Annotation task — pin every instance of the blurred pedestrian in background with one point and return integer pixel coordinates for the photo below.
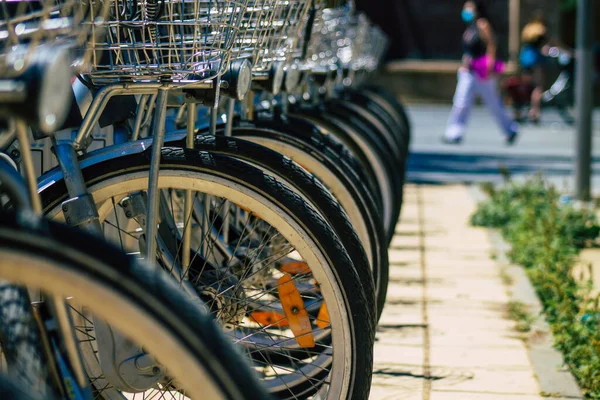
(534, 49)
(477, 76)
(527, 88)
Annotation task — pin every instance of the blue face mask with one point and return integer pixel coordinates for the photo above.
(467, 15)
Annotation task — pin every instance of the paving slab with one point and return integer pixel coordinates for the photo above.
(481, 356)
(449, 395)
(508, 381)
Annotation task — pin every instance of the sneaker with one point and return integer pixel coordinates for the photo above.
(454, 141)
(511, 138)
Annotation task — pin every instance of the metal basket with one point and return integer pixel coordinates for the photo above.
(342, 38)
(166, 40)
(26, 24)
(268, 30)
(369, 44)
(372, 49)
(328, 39)
(287, 25)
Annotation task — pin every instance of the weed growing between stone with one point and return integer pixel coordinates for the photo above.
(546, 234)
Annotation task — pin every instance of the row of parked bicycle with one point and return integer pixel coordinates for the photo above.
(197, 198)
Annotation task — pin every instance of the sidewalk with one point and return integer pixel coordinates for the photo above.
(444, 334)
(548, 147)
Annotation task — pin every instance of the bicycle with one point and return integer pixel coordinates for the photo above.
(228, 233)
(41, 346)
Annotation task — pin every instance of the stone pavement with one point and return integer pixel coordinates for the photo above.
(444, 333)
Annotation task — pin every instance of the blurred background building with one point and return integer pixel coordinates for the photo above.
(425, 38)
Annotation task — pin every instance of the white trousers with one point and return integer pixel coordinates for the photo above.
(467, 88)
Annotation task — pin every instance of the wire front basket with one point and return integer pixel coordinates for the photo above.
(327, 38)
(166, 40)
(342, 38)
(27, 24)
(285, 23)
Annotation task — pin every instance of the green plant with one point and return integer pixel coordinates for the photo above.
(546, 235)
(518, 312)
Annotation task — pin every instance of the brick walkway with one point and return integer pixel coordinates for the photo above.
(444, 334)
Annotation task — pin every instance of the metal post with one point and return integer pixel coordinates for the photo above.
(229, 113)
(187, 215)
(585, 31)
(28, 168)
(158, 136)
(213, 112)
(514, 28)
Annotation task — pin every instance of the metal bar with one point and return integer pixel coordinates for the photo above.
(229, 114)
(151, 105)
(158, 137)
(514, 28)
(64, 318)
(187, 215)
(213, 112)
(228, 132)
(206, 227)
(75, 183)
(249, 100)
(98, 106)
(28, 167)
(138, 117)
(584, 98)
(285, 103)
(104, 95)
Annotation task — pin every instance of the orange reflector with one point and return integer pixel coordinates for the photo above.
(323, 317)
(294, 267)
(270, 318)
(296, 314)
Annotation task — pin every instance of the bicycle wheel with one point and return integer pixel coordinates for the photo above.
(277, 250)
(327, 165)
(135, 300)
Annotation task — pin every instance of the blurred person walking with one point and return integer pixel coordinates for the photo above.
(534, 39)
(477, 76)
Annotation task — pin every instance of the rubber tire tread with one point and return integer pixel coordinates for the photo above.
(336, 127)
(391, 99)
(309, 133)
(384, 111)
(386, 157)
(20, 339)
(394, 142)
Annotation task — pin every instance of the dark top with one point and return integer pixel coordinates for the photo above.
(473, 44)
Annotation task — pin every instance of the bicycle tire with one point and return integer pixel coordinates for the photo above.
(20, 339)
(61, 261)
